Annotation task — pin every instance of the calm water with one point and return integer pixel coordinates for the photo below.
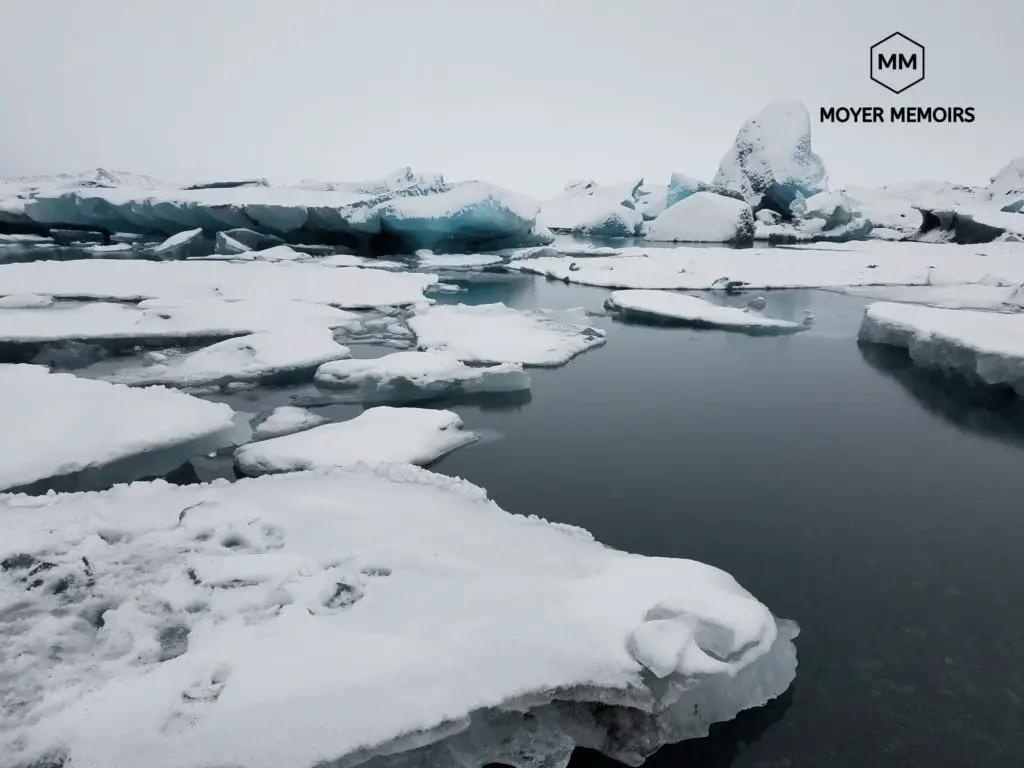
(878, 506)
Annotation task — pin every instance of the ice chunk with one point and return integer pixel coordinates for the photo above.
(677, 308)
(381, 435)
(1006, 189)
(174, 319)
(494, 333)
(469, 216)
(431, 260)
(983, 347)
(681, 186)
(286, 420)
(228, 246)
(967, 225)
(25, 301)
(59, 426)
(285, 620)
(134, 280)
(251, 239)
(771, 160)
(705, 217)
(651, 200)
(183, 245)
(272, 355)
(419, 375)
(349, 260)
(586, 208)
(893, 207)
(115, 251)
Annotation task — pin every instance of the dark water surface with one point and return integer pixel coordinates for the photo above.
(878, 506)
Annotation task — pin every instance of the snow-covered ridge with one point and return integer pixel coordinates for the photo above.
(283, 621)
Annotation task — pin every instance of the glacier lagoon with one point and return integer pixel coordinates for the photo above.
(871, 501)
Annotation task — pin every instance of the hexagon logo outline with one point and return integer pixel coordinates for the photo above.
(899, 60)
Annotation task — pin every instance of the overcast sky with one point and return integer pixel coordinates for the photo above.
(524, 93)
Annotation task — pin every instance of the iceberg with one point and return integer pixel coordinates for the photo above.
(163, 320)
(380, 435)
(771, 161)
(60, 431)
(494, 333)
(589, 209)
(705, 217)
(1006, 188)
(967, 225)
(300, 620)
(286, 420)
(408, 376)
(134, 280)
(651, 200)
(226, 245)
(183, 245)
(983, 347)
(681, 309)
(269, 356)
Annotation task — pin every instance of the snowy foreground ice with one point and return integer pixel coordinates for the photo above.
(74, 431)
(256, 357)
(494, 333)
(983, 347)
(404, 376)
(677, 308)
(333, 618)
(122, 280)
(381, 435)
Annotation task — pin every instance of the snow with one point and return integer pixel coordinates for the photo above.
(705, 217)
(984, 347)
(1006, 189)
(457, 261)
(133, 280)
(696, 312)
(286, 420)
(772, 156)
(651, 200)
(53, 425)
(256, 357)
(494, 333)
(164, 319)
(348, 260)
(419, 375)
(381, 435)
(25, 301)
(305, 618)
(817, 266)
(591, 209)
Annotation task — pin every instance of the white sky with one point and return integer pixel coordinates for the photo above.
(524, 93)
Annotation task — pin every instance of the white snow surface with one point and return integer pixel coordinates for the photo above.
(695, 311)
(245, 358)
(494, 333)
(418, 375)
(984, 347)
(811, 266)
(286, 420)
(25, 301)
(128, 280)
(381, 435)
(155, 319)
(351, 608)
(457, 260)
(704, 217)
(54, 424)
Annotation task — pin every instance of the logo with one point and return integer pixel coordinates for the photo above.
(897, 62)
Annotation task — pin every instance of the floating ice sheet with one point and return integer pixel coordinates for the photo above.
(286, 420)
(298, 620)
(668, 307)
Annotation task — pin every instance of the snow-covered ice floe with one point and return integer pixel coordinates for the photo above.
(331, 618)
(286, 420)
(163, 320)
(75, 433)
(956, 296)
(405, 376)
(431, 260)
(983, 347)
(677, 308)
(381, 435)
(494, 333)
(134, 280)
(272, 355)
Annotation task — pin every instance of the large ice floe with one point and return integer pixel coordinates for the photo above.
(586, 208)
(162, 320)
(272, 356)
(983, 347)
(383, 617)
(494, 333)
(134, 280)
(57, 430)
(407, 376)
(680, 309)
(381, 435)
(705, 217)
(771, 161)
